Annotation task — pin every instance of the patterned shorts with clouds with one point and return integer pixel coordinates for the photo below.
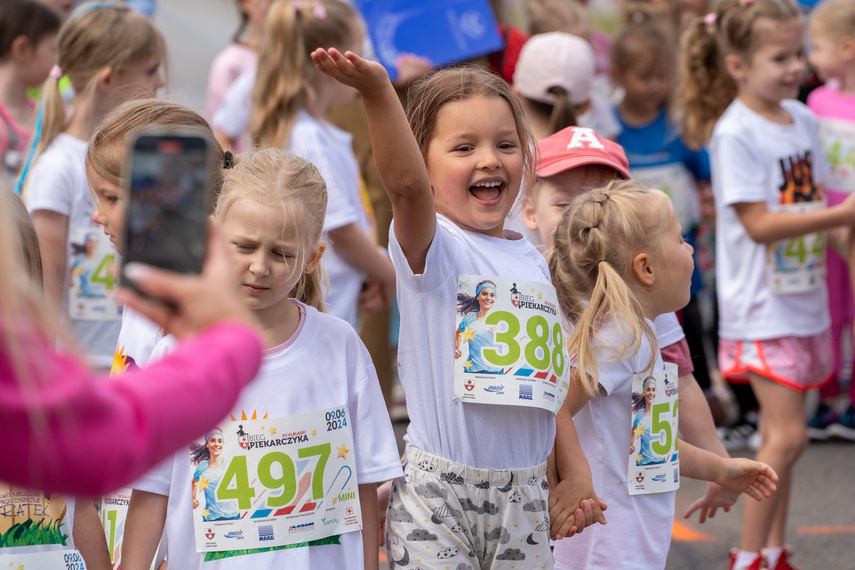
(443, 515)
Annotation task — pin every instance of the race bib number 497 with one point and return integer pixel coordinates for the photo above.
(274, 482)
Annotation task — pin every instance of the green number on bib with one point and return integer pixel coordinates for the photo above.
(659, 426)
(111, 516)
(818, 250)
(558, 350)
(796, 248)
(832, 155)
(508, 338)
(538, 330)
(242, 491)
(318, 476)
(104, 272)
(287, 482)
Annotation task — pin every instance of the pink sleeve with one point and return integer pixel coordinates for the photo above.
(69, 432)
(678, 353)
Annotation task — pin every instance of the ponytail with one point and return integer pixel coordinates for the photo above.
(312, 288)
(293, 30)
(595, 243)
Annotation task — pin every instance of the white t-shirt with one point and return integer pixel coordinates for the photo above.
(486, 436)
(232, 116)
(58, 183)
(326, 365)
(668, 330)
(330, 150)
(137, 340)
(754, 160)
(639, 531)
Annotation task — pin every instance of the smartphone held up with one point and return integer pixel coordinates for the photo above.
(169, 194)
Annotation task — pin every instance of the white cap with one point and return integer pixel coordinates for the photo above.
(551, 60)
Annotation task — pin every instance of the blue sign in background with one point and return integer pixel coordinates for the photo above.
(444, 31)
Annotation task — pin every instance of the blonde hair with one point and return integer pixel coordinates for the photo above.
(430, 94)
(705, 86)
(28, 242)
(292, 32)
(591, 262)
(106, 154)
(835, 16)
(282, 180)
(568, 16)
(97, 36)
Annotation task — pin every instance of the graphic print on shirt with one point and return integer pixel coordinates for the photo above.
(838, 145)
(509, 343)
(91, 276)
(263, 484)
(797, 265)
(654, 465)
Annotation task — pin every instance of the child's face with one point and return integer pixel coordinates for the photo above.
(555, 193)
(829, 55)
(268, 252)
(475, 163)
(109, 211)
(139, 81)
(675, 265)
(776, 68)
(41, 58)
(647, 82)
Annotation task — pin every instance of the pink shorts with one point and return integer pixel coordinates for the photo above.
(798, 362)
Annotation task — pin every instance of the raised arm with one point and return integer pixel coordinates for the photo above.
(396, 153)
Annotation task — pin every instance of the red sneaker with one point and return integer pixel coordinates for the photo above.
(783, 562)
(756, 564)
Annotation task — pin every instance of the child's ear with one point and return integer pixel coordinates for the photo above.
(316, 256)
(643, 269)
(735, 67)
(20, 48)
(105, 79)
(528, 214)
(847, 47)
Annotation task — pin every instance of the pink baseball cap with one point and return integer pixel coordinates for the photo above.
(578, 146)
(552, 60)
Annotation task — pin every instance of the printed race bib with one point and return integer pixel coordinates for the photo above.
(838, 144)
(114, 513)
(509, 344)
(797, 265)
(678, 182)
(653, 464)
(91, 276)
(273, 482)
(53, 560)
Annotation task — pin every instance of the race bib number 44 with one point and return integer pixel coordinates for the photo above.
(797, 265)
(509, 344)
(91, 276)
(653, 463)
(274, 482)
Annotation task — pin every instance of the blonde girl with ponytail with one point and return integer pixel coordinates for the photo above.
(271, 211)
(618, 261)
(110, 54)
(283, 105)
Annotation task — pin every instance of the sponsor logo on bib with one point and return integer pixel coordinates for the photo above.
(209, 534)
(639, 477)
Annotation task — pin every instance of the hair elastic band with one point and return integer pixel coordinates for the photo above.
(228, 160)
(709, 19)
(56, 72)
(319, 11)
(605, 196)
(87, 7)
(600, 202)
(600, 261)
(589, 228)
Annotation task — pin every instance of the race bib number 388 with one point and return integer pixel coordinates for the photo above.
(509, 344)
(274, 482)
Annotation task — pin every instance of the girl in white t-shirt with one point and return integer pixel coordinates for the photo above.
(270, 463)
(287, 99)
(474, 491)
(619, 261)
(110, 54)
(742, 69)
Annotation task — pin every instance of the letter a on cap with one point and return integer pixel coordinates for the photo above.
(584, 137)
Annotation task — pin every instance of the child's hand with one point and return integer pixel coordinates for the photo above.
(714, 499)
(757, 480)
(371, 298)
(367, 77)
(572, 507)
(383, 492)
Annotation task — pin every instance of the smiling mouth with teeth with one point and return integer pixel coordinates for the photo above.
(486, 191)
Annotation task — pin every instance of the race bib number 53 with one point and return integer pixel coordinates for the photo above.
(509, 344)
(274, 482)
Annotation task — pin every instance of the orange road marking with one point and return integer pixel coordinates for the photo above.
(842, 529)
(684, 533)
